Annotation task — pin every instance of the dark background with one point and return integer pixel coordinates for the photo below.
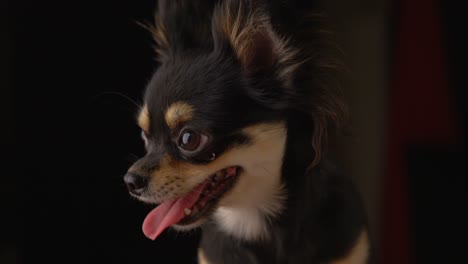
(69, 73)
(75, 134)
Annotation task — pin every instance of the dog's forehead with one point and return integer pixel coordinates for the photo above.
(179, 92)
(186, 76)
(206, 94)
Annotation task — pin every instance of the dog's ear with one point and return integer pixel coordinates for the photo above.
(306, 66)
(181, 25)
(244, 26)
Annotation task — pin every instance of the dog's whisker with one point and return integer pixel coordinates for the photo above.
(159, 195)
(271, 130)
(122, 95)
(132, 158)
(271, 173)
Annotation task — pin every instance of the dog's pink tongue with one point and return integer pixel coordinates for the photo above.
(169, 213)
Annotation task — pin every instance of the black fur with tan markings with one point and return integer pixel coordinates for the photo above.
(214, 75)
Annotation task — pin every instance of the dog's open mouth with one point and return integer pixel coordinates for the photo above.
(193, 206)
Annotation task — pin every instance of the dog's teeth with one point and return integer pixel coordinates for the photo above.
(219, 176)
(231, 171)
(187, 211)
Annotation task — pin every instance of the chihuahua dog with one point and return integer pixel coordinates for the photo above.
(235, 122)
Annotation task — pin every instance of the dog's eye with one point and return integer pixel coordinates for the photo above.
(192, 141)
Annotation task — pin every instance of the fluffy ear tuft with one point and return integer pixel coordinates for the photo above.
(246, 28)
(158, 32)
(180, 26)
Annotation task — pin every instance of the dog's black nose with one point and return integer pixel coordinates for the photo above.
(136, 184)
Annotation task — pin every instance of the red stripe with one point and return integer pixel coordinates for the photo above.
(420, 112)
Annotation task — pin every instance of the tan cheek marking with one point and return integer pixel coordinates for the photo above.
(174, 177)
(168, 172)
(177, 113)
(143, 119)
(359, 253)
(170, 166)
(201, 257)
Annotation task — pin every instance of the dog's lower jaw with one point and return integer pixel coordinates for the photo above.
(185, 228)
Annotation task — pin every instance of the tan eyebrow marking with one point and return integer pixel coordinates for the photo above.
(177, 113)
(143, 119)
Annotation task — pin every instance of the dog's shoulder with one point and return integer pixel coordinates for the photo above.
(328, 217)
